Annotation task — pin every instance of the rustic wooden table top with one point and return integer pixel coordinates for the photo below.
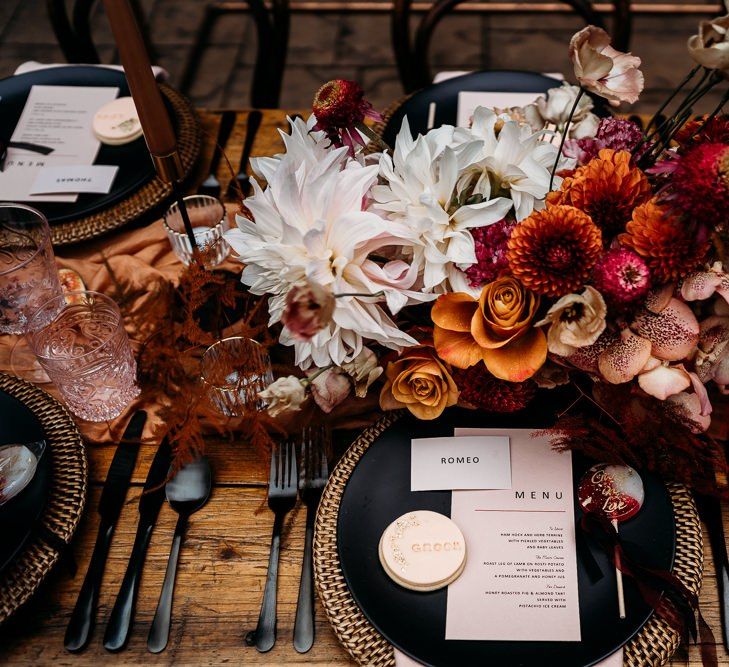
(223, 561)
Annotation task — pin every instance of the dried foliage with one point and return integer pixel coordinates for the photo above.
(618, 426)
(171, 327)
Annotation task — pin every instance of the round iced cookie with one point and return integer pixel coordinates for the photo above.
(423, 551)
(117, 122)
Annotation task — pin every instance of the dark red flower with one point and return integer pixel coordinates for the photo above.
(491, 246)
(480, 389)
(340, 107)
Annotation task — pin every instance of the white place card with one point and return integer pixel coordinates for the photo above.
(58, 117)
(469, 100)
(81, 178)
(520, 579)
(477, 462)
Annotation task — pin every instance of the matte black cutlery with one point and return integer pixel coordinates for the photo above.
(313, 476)
(282, 485)
(150, 502)
(186, 492)
(79, 627)
(241, 178)
(211, 185)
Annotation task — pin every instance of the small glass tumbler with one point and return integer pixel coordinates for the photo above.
(28, 274)
(235, 370)
(209, 223)
(86, 353)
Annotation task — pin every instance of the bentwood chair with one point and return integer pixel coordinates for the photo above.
(411, 53)
(272, 28)
(71, 24)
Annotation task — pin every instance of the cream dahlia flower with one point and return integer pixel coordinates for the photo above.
(419, 191)
(310, 225)
(507, 161)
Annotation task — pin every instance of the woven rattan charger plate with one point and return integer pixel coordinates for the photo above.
(653, 645)
(151, 194)
(66, 498)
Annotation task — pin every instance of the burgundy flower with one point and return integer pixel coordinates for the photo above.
(340, 109)
(491, 246)
(621, 276)
(482, 390)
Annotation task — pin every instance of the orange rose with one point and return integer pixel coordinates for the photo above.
(420, 382)
(497, 329)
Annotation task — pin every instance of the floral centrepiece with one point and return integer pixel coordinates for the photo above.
(480, 265)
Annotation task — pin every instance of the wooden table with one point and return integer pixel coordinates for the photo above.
(223, 562)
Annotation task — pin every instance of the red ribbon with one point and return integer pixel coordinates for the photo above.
(662, 590)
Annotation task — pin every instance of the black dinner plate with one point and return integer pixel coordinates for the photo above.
(445, 95)
(19, 515)
(378, 491)
(135, 165)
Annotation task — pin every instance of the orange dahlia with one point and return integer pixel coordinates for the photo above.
(607, 188)
(553, 251)
(666, 244)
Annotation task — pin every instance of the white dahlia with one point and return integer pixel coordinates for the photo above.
(419, 192)
(513, 161)
(310, 224)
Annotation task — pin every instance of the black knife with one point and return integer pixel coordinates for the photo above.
(120, 621)
(253, 122)
(79, 627)
(211, 185)
(710, 512)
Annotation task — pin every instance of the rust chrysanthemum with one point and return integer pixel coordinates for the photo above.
(553, 251)
(340, 109)
(664, 241)
(607, 188)
(480, 389)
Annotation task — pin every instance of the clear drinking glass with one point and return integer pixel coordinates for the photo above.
(80, 341)
(28, 274)
(235, 370)
(209, 223)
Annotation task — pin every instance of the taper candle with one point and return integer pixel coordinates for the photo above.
(153, 116)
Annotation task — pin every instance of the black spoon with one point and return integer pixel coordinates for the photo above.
(186, 492)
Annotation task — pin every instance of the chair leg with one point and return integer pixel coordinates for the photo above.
(198, 48)
(85, 48)
(62, 29)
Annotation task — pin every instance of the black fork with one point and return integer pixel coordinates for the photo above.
(282, 486)
(313, 479)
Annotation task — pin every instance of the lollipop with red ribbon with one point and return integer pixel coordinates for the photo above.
(616, 492)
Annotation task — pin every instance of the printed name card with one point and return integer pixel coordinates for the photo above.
(520, 579)
(81, 178)
(471, 462)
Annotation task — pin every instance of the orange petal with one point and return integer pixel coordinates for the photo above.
(454, 311)
(520, 359)
(456, 348)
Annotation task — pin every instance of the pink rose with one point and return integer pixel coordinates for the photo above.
(309, 308)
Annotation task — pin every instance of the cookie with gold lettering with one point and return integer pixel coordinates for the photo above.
(117, 122)
(423, 551)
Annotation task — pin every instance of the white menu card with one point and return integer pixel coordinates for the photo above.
(59, 117)
(520, 579)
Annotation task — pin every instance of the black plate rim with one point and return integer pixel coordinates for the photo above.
(42, 475)
(408, 653)
(102, 202)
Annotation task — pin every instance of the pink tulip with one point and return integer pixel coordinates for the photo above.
(602, 70)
